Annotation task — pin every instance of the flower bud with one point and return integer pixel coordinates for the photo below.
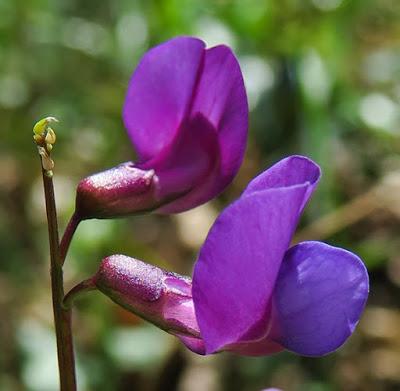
(42, 125)
(50, 136)
(162, 298)
(116, 192)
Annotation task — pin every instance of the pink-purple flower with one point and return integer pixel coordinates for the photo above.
(186, 114)
(252, 294)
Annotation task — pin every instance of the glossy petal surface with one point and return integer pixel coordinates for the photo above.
(238, 264)
(160, 93)
(186, 114)
(184, 166)
(320, 294)
(290, 171)
(178, 96)
(220, 99)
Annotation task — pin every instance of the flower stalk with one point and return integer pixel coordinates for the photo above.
(62, 317)
(79, 289)
(67, 237)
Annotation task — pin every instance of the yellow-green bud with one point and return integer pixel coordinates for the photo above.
(50, 136)
(41, 126)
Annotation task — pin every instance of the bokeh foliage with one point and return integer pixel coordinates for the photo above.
(322, 79)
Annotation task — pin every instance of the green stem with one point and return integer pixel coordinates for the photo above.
(62, 317)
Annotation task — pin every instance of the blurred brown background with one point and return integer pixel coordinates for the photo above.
(323, 80)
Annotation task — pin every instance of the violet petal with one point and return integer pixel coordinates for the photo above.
(293, 170)
(319, 296)
(220, 98)
(238, 264)
(160, 92)
(186, 164)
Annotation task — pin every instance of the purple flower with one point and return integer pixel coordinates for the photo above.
(186, 114)
(252, 294)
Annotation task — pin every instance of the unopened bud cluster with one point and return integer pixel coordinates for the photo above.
(45, 138)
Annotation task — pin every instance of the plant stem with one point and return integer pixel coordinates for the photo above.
(83, 287)
(67, 237)
(62, 317)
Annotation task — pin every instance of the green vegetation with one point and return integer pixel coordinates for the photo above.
(323, 79)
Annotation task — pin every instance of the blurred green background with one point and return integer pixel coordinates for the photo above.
(323, 80)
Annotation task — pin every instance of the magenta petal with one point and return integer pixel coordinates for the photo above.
(239, 262)
(186, 113)
(320, 294)
(195, 344)
(184, 167)
(290, 171)
(160, 93)
(221, 98)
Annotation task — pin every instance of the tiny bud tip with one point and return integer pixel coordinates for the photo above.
(41, 126)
